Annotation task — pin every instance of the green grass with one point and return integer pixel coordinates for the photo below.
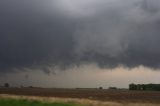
(23, 102)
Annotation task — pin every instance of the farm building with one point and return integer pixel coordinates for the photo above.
(145, 87)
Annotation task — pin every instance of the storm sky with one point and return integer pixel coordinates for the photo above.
(66, 40)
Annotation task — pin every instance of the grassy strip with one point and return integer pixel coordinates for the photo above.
(13, 100)
(24, 102)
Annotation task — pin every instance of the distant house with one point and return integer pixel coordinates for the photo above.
(144, 87)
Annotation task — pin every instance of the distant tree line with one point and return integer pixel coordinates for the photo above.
(145, 87)
(112, 88)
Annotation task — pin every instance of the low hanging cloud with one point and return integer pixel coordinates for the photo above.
(42, 34)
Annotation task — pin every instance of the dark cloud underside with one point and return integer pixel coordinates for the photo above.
(42, 33)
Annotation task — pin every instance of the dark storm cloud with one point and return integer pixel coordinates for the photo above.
(44, 33)
(124, 33)
(32, 33)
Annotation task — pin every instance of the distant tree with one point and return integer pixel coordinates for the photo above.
(6, 85)
(30, 87)
(100, 87)
(143, 87)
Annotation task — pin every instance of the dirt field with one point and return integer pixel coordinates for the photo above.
(123, 96)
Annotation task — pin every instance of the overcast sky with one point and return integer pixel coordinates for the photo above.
(79, 43)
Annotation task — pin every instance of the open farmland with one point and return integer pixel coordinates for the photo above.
(121, 96)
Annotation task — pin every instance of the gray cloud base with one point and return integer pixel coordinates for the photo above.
(110, 33)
